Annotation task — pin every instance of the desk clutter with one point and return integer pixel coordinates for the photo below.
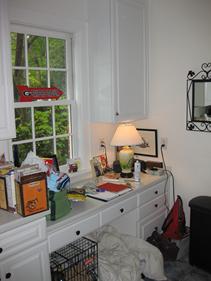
(33, 187)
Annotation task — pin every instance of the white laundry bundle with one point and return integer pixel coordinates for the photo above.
(124, 257)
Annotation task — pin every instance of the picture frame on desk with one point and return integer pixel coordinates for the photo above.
(149, 147)
(98, 165)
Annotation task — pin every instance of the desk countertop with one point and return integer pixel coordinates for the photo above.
(90, 206)
(9, 221)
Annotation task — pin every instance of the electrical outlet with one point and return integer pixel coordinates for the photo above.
(101, 144)
(164, 142)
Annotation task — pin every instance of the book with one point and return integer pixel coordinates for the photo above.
(108, 191)
(76, 194)
(104, 196)
(114, 187)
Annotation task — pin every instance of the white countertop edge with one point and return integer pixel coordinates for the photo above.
(10, 220)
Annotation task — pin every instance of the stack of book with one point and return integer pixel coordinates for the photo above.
(77, 194)
(108, 190)
(7, 185)
(5, 167)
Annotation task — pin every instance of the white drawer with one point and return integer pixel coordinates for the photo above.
(151, 193)
(147, 227)
(118, 210)
(22, 237)
(152, 206)
(72, 232)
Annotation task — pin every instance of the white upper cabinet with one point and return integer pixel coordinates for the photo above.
(7, 122)
(117, 60)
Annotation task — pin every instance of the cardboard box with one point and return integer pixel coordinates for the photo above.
(31, 194)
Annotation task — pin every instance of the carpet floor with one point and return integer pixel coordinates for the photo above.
(183, 271)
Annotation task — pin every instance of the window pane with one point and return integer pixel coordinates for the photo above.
(36, 51)
(62, 150)
(44, 148)
(61, 119)
(23, 123)
(38, 78)
(58, 80)
(43, 122)
(19, 78)
(17, 49)
(22, 150)
(57, 53)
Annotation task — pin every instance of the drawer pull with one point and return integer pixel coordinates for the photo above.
(156, 192)
(8, 275)
(1, 250)
(156, 205)
(122, 210)
(78, 232)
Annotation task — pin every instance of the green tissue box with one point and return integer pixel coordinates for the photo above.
(59, 205)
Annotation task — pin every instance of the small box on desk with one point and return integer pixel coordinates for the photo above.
(31, 194)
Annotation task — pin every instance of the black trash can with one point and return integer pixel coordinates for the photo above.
(200, 232)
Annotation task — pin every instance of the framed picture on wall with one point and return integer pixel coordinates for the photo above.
(149, 147)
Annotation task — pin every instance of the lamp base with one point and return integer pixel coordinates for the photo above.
(126, 175)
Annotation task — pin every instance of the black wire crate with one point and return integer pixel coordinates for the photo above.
(77, 261)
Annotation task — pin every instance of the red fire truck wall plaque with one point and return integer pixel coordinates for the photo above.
(33, 94)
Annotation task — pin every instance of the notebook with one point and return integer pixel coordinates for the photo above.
(104, 196)
(110, 191)
(114, 187)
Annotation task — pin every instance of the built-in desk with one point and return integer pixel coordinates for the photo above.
(127, 212)
(25, 243)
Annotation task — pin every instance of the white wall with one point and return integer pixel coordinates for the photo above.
(180, 40)
(62, 10)
(103, 131)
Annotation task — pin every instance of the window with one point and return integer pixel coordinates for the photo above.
(43, 59)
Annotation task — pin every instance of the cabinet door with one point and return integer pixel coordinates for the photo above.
(7, 123)
(117, 60)
(127, 224)
(130, 59)
(32, 264)
(72, 232)
(147, 226)
(118, 210)
(100, 61)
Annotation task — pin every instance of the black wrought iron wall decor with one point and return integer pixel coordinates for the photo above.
(198, 111)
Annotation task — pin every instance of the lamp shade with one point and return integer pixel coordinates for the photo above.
(126, 134)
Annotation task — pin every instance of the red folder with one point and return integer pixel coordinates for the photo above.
(113, 187)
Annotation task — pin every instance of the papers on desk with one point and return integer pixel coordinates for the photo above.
(108, 191)
(104, 196)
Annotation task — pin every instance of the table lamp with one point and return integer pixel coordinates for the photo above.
(126, 135)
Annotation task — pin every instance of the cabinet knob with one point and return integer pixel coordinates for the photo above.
(1, 250)
(8, 275)
(117, 113)
(122, 210)
(156, 205)
(156, 192)
(78, 232)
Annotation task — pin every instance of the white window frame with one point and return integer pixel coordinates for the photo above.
(70, 100)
